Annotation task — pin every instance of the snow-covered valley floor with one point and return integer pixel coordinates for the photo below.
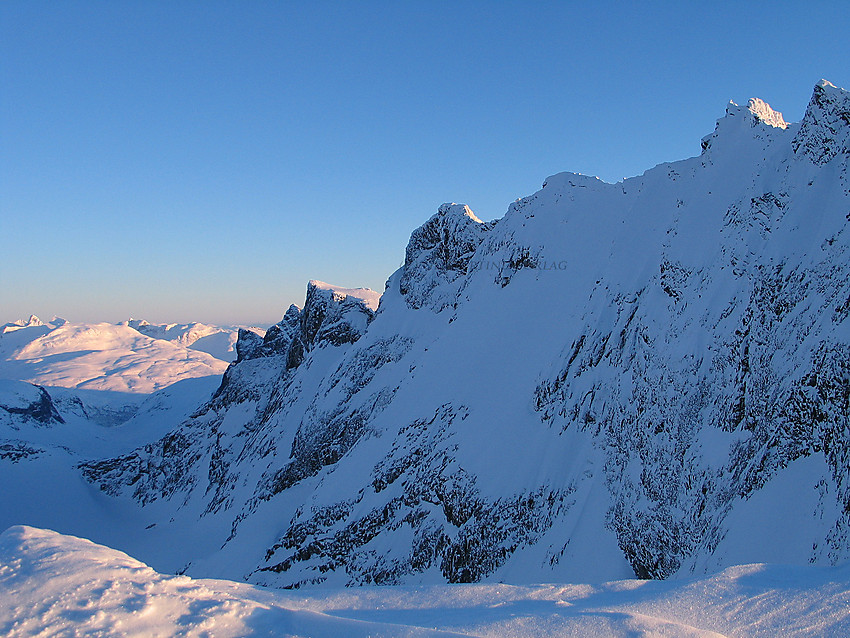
(56, 585)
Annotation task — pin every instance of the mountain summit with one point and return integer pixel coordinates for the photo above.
(649, 378)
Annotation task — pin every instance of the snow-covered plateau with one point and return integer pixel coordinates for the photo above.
(103, 372)
(131, 357)
(611, 383)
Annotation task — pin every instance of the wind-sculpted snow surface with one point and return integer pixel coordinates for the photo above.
(646, 378)
(60, 585)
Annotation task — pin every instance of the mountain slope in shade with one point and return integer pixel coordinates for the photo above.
(52, 583)
(46, 433)
(647, 378)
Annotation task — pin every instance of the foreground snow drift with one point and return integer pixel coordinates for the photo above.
(52, 584)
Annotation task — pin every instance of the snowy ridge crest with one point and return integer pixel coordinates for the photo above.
(645, 410)
(742, 124)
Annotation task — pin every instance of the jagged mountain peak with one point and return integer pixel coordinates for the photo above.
(765, 113)
(827, 85)
(367, 296)
(823, 133)
(825, 128)
(331, 315)
(648, 377)
(757, 121)
(438, 253)
(756, 112)
(452, 208)
(32, 322)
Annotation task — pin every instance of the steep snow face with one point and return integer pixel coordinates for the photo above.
(611, 380)
(60, 585)
(101, 357)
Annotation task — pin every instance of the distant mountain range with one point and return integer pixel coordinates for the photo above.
(133, 356)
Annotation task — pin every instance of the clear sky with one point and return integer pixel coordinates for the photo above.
(200, 161)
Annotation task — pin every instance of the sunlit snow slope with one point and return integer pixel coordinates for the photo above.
(102, 357)
(219, 341)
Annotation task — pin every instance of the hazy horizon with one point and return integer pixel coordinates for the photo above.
(178, 163)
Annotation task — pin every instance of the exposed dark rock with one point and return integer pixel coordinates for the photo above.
(14, 451)
(439, 252)
(42, 410)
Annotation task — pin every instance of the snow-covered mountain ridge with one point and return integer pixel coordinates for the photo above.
(645, 378)
(219, 341)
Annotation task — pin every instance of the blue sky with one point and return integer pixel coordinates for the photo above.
(201, 161)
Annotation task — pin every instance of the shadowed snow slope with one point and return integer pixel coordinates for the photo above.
(648, 378)
(52, 584)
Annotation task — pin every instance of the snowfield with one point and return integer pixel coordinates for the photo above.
(219, 341)
(101, 356)
(52, 584)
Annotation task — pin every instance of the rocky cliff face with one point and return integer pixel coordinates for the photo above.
(23, 406)
(254, 385)
(649, 378)
(438, 254)
(27, 404)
